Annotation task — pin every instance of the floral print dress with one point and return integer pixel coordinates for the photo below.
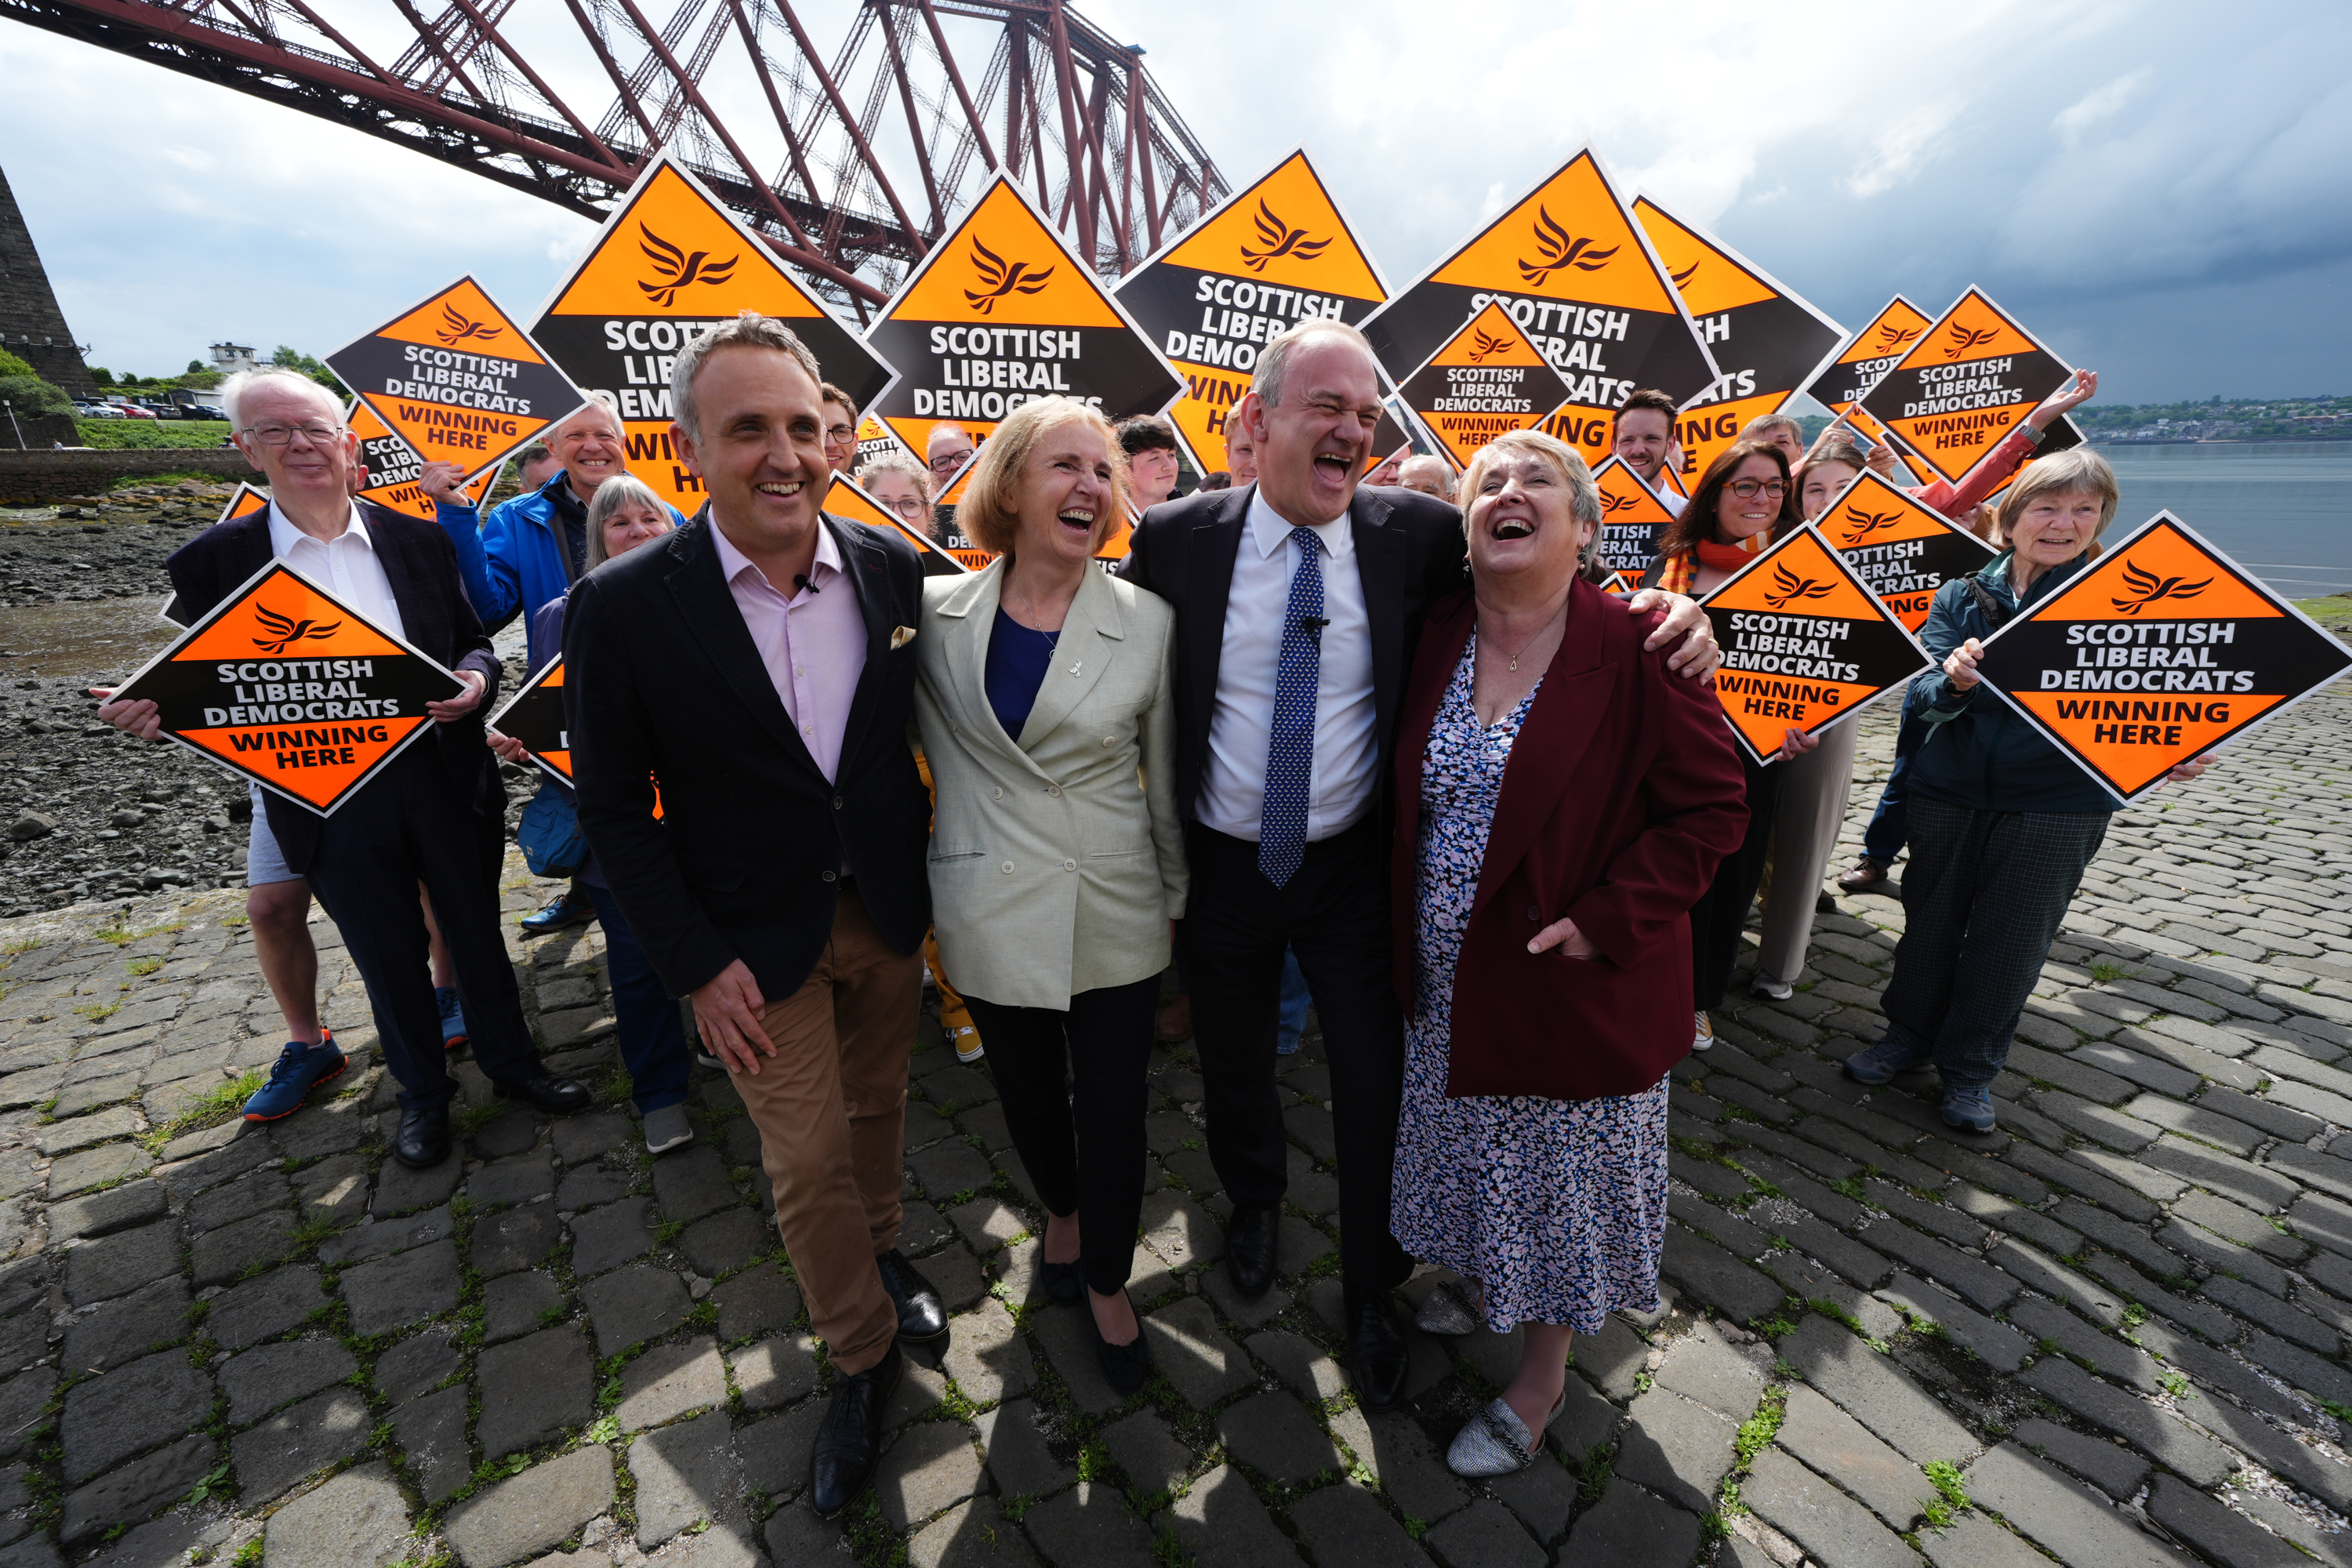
(1558, 1208)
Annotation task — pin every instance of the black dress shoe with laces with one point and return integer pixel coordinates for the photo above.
(1376, 1353)
(922, 1316)
(558, 1095)
(423, 1142)
(1249, 1249)
(568, 908)
(849, 1439)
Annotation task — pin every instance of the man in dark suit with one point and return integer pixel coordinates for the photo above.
(435, 816)
(1298, 603)
(752, 676)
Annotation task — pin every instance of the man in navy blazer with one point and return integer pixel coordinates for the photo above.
(435, 816)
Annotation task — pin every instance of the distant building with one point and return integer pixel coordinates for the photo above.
(230, 358)
(31, 326)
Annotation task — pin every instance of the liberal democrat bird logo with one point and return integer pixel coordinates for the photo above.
(457, 329)
(679, 268)
(2147, 588)
(1860, 525)
(1280, 239)
(1788, 588)
(1682, 279)
(1963, 339)
(284, 632)
(1484, 345)
(1004, 279)
(1559, 248)
(1610, 504)
(1891, 336)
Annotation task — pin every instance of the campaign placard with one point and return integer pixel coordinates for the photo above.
(1902, 550)
(1620, 586)
(669, 264)
(1002, 311)
(875, 440)
(391, 470)
(1964, 384)
(1767, 341)
(1805, 642)
(1633, 518)
(1273, 255)
(1569, 266)
(243, 502)
(293, 689)
(1486, 379)
(534, 715)
(2157, 652)
(847, 499)
(1870, 353)
(456, 379)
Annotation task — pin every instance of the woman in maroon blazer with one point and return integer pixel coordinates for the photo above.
(1563, 802)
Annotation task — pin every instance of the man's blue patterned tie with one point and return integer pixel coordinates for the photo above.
(1290, 751)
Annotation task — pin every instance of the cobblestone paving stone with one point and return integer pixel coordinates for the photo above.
(2112, 1332)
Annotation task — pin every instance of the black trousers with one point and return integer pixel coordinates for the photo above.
(1334, 913)
(1721, 913)
(1095, 1169)
(407, 826)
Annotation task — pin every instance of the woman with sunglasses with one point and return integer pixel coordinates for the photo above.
(1743, 500)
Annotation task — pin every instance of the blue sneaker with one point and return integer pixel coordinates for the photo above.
(453, 1017)
(1969, 1108)
(300, 1069)
(1884, 1060)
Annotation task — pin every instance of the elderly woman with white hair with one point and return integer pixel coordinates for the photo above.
(2002, 823)
(1562, 800)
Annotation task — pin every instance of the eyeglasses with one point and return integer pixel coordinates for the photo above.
(280, 435)
(906, 506)
(839, 433)
(1746, 490)
(942, 466)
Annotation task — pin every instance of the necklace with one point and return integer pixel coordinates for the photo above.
(1539, 632)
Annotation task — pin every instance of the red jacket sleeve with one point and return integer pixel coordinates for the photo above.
(1999, 464)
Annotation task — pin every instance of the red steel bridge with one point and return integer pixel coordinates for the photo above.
(849, 164)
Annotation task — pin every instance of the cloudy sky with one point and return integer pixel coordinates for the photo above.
(2162, 191)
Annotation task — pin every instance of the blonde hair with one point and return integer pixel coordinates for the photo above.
(620, 490)
(2077, 471)
(990, 513)
(1583, 495)
(906, 468)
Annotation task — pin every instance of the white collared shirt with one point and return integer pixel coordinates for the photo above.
(1347, 760)
(346, 565)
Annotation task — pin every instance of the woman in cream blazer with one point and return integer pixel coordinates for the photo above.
(1046, 706)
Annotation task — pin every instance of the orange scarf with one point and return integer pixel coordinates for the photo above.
(1681, 572)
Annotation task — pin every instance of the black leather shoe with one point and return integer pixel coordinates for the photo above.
(922, 1316)
(1249, 1249)
(424, 1139)
(1376, 1354)
(1064, 1282)
(849, 1440)
(568, 908)
(1126, 1367)
(559, 1096)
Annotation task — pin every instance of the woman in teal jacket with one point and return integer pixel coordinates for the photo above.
(2002, 823)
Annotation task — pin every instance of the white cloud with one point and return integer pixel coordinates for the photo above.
(2102, 103)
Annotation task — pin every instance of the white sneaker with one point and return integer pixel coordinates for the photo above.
(667, 1128)
(1705, 1033)
(966, 1042)
(1774, 990)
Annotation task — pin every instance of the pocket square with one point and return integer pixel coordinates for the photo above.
(900, 636)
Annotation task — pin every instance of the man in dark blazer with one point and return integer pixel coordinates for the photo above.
(435, 816)
(751, 678)
(1298, 603)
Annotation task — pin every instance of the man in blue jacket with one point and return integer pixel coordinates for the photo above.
(530, 549)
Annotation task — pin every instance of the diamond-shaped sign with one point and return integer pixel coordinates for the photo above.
(848, 498)
(2157, 652)
(1869, 354)
(1964, 384)
(1902, 550)
(1633, 518)
(392, 469)
(1805, 642)
(534, 715)
(1486, 379)
(293, 689)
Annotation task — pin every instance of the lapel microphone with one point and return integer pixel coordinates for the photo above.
(800, 580)
(1314, 623)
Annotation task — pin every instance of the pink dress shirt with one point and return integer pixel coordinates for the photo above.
(812, 641)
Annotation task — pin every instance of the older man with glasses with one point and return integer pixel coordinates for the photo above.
(435, 816)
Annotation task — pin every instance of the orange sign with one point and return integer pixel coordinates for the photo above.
(671, 263)
(293, 689)
(1869, 354)
(392, 468)
(1488, 380)
(1002, 311)
(456, 379)
(1964, 384)
(847, 499)
(2157, 652)
(1805, 642)
(1902, 550)
(1766, 340)
(244, 503)
(968, 551)
(1274, 253)
(1571, 267)
(1633, 518)
(1620, 586)
(534, 716)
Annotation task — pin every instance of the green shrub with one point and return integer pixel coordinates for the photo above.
(31, 394)
(11, 365)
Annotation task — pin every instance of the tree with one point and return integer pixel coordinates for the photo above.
(101, 375)
(11, 365)
(309, 367)
(31, 394)
(193, 365)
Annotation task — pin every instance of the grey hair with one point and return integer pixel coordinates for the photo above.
(1583, 495)
(233, 391)
(749, 331)
(1754, 430)
(1273, 360)
(620, 490)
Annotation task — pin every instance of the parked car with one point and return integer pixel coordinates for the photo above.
(133, 411)
(199, 411)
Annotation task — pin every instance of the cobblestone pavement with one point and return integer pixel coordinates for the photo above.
(2107, 1334)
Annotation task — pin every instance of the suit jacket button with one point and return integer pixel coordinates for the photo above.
(836, 803)
(828, 875)
(1535, 914)
(1054, 790)
(1110, 739)
(1069, 865)
(1006, 867)
(996, 795)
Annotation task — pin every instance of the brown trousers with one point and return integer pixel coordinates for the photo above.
(831, 1107)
